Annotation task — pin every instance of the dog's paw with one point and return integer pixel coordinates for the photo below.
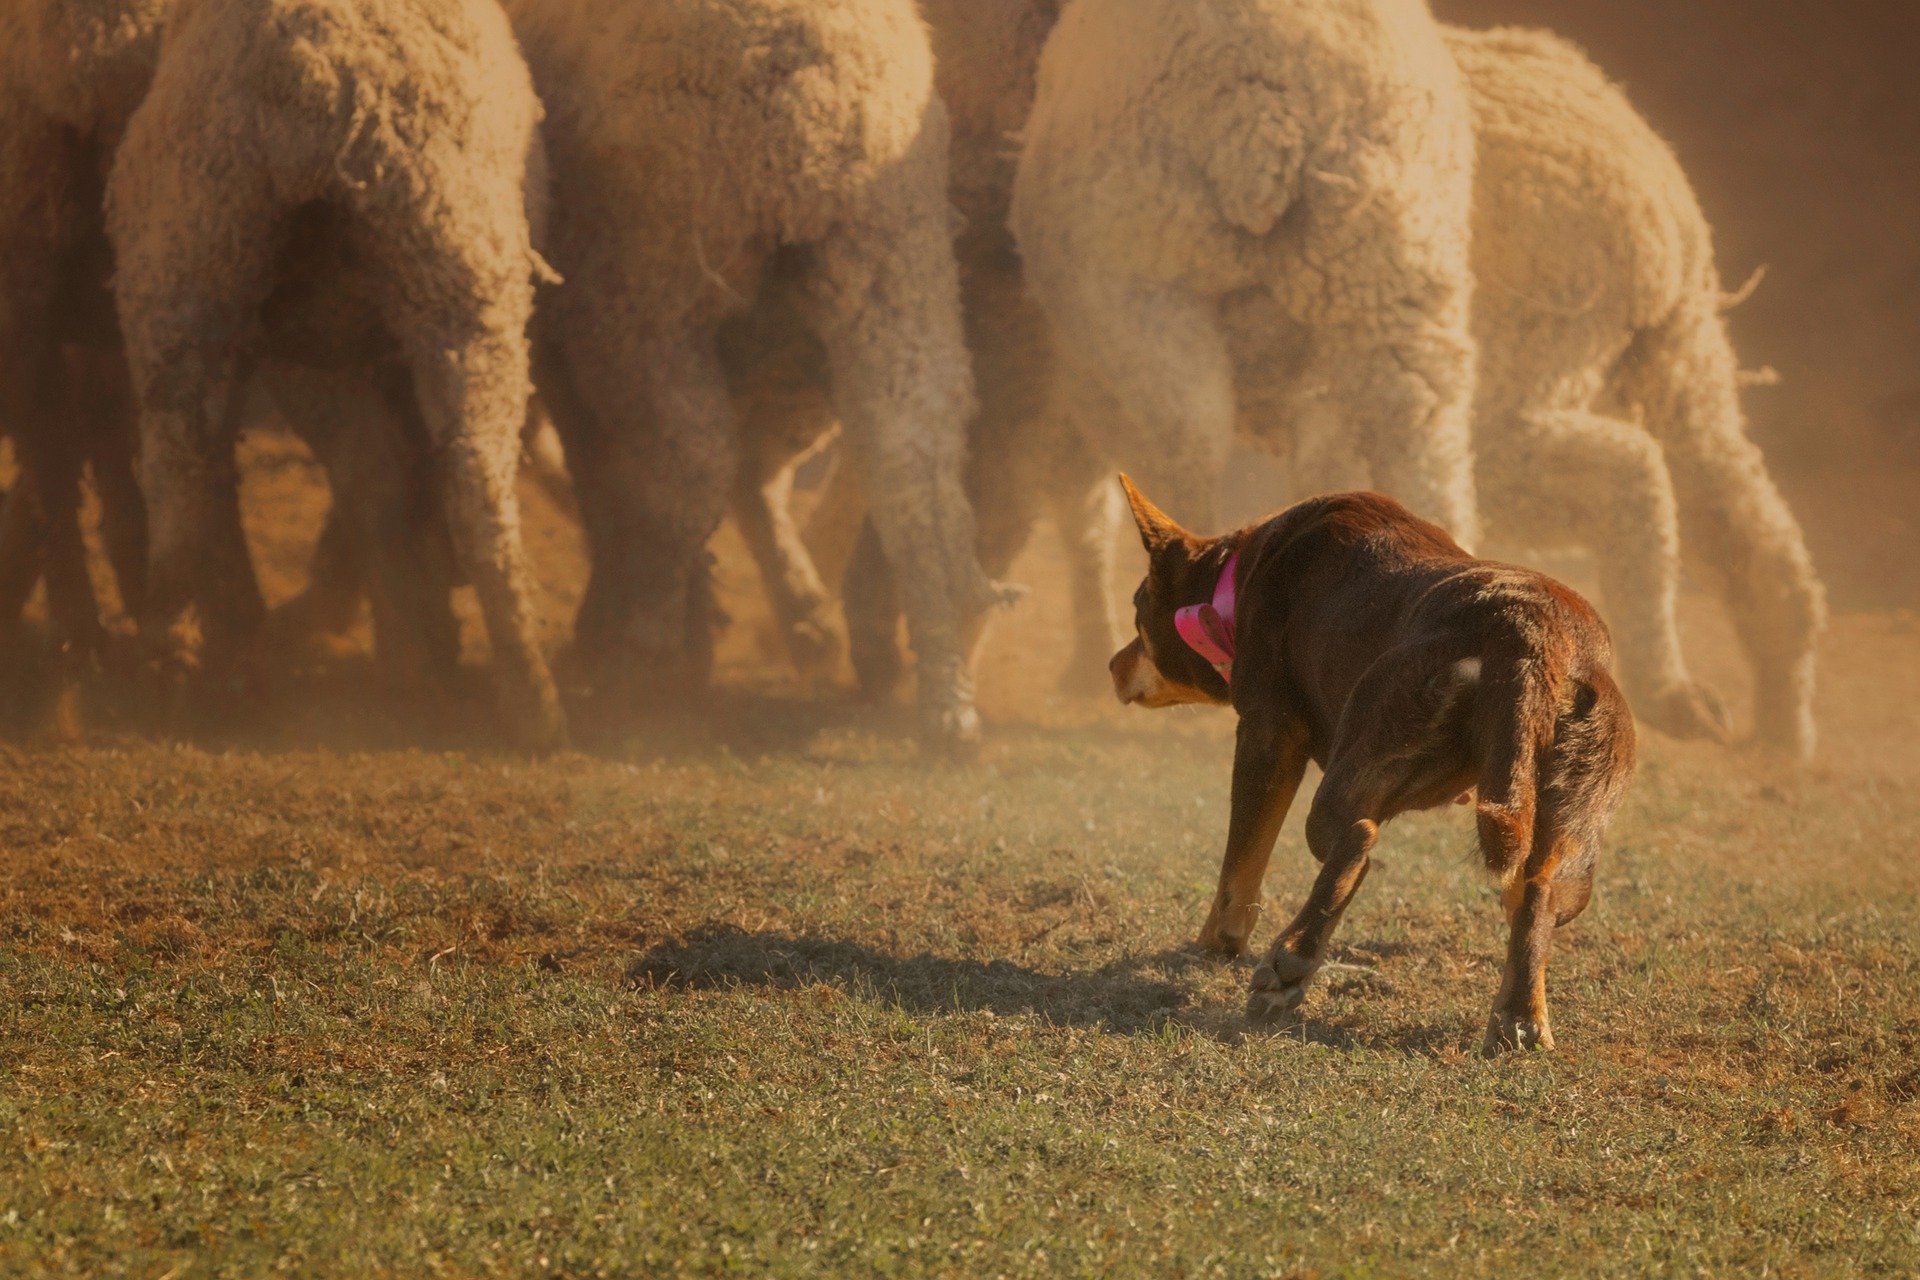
(1510, 1031)
(1219, 944)
(1226, 931)
(1279, 985)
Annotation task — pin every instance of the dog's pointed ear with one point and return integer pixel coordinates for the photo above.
(1157, 528)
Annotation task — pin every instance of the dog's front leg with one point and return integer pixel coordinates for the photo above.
(1269, 759)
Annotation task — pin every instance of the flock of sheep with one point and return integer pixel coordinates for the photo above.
(997, 248)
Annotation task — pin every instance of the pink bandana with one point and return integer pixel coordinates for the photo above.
(1208, 628)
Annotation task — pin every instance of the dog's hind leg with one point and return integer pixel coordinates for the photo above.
(1343, 841)
(1390, 754)
(1582, 775)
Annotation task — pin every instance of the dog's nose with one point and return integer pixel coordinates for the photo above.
(1116, 668)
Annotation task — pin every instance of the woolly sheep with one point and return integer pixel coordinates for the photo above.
(986, 55)
(1608, 413)
(697, 149)
(390, 146)
(1310, 249)
(70, 73)
(1255, 212)
(1607, 410)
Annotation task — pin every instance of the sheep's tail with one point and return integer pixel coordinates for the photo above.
(1682, 378)
(1256, 169)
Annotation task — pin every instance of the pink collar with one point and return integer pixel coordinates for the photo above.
(1208, 628)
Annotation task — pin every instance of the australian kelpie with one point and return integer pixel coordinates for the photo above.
(1347, 631)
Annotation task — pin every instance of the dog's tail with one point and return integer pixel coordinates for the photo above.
(1523, 693)
(1559, 747)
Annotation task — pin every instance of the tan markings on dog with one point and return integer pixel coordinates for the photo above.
(1138, 680)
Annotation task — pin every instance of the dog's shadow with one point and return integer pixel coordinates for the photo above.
(1140, 994)
(1129, 995)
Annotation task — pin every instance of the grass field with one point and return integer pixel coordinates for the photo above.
(766, 994)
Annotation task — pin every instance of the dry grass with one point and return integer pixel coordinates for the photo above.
(766, 994)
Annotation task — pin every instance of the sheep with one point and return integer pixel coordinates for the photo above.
(1608, 414)
(1606, 411)
(1253, 214)
(986, 54)
(70, 73)
(349, 184)
(1330, 281)
(698, 152)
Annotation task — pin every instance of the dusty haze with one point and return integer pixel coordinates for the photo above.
(1799, 126)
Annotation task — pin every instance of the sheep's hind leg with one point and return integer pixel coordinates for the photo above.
(112, 441)
(1087, 513)
(1406, 389)
(649, 417)
(474, 401)
(1736, 530)
(183, 299)
(763, 508)
(887, 312)
(1150, 387)
(1603, 484)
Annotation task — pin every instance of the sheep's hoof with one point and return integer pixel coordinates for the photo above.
(536, 721)
(1688, 710)
(877, 664)
(953, 732)
(1279, 985)
(815, 649)
(1784, 726)
(1510, 1031)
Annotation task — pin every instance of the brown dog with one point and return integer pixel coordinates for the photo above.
(1347, 631)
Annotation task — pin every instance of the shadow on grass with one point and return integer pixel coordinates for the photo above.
(1131, 995)
(1134, 995)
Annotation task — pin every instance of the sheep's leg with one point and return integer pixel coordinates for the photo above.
(839, 514)
(650, 434)
(544, 461)
(402, 529)
(194, 243)
(54, 458)
(1736, 530)
(336, 582)
(20, 559)
(1008, 484)
(1602, 484)
(38, 194)
(112, 437)
(763, 508)
(888, 315)
(385, 534)
(1150, 386)
(473, 399)
(1404, 386)
(871, 600)
(1088, 515)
